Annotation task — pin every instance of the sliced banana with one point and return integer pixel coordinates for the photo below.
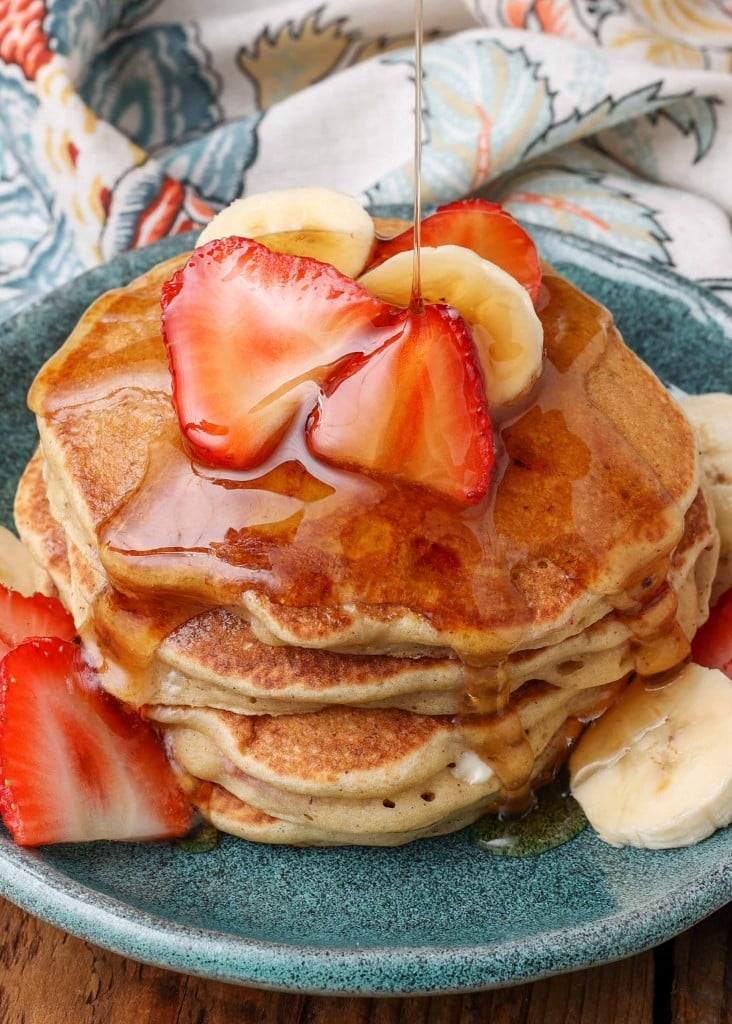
(656, 770)
(18, 570)
(711, 416)
(507, 332)
(330, 226)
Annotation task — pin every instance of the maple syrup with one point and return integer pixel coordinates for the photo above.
(552, 819)
(415, 302)
(571, 501)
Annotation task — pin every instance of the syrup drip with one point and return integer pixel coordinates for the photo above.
(499, 739)
(493, 730)
(123, 635)
(659, 643)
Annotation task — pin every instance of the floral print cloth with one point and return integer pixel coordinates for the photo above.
(123, 121)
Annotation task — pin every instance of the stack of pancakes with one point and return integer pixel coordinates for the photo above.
(338, 659)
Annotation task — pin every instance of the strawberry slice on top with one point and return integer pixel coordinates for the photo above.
(712, 645)
(22, 617)
(414, 409)
(76, 764)
(486, 228)
(250, 334)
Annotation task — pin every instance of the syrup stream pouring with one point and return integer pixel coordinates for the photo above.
(416, 304)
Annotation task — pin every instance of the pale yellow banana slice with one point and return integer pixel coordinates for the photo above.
(330, 226)
(656, 770)
(507, 332)
(18, 571)
(711, 416)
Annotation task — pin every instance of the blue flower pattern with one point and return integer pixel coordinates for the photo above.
(553, 133)
(156, 85)
(215, 164)
(36, 244)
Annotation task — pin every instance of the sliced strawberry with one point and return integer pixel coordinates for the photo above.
(484, 227)
(248, 331)
(76, 765)
(712, 645)
(22, 617)
(415, 409)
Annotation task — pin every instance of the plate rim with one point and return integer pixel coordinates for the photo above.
(129, 929)
(45, 891)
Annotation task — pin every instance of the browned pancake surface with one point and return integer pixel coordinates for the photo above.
(593, 476)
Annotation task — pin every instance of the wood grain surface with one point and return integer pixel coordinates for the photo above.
(48, 977)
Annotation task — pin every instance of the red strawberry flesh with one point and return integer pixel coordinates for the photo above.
(22, 617)
(712, 645)
(76, 764)
(484, 227)
(415, 409)
(250, 335)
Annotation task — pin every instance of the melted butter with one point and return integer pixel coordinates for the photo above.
(499, 739)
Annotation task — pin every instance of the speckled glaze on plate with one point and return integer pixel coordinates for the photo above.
(435, 916)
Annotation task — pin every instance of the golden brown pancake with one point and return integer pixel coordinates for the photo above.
(215, 659)
(323, 649)
(593, 478)
(365, 772)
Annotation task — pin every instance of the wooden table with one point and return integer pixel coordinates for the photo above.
(48, 977)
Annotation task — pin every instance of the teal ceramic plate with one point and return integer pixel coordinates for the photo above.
(436, 916)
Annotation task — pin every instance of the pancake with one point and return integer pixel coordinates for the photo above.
(215, 659)
(230, 814)
(593, 481)
(371, 772)
(334, 658)
(359, 772)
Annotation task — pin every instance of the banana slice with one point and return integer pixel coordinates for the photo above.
(656, 770)
(18, 571)
(711, 416)
(330, 226)
(506, 329)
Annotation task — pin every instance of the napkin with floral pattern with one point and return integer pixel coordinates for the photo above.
(123, 121)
